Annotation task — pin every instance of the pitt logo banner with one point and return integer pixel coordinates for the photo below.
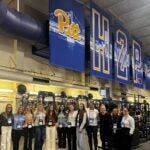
(147, 71)
(66, 30)
(100, 43)
(137, 65)
(121, 55)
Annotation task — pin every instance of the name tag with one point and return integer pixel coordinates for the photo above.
(69, 124)
(40, 122)
(114, 126)
(19, 126)
(29, 126)
(9, 121)
(60, 125)
(91, 120)
(122, 125)
(50, 123)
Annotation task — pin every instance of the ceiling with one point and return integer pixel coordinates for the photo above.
(134, 14)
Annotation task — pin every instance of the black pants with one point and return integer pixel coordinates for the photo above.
(71, 135)
(61, 137)
(106, 140)
(16, 135)
(126, 139)
(28, 135)
(92, 133)
(39, 137)
(117, 140)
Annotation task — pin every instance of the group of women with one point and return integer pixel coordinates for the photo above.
(67, 125)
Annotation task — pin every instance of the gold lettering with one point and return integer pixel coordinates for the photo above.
(63, 19)
(64, 25)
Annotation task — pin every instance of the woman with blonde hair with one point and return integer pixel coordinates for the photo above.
(17, 131)
(39, 118)
(28, 128)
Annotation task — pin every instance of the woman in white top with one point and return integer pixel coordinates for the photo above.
(128, 126)
(92, 127)
(39, 117)
(71, 128)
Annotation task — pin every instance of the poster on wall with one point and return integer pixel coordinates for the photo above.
(121, 55)
(137, 65)
(100, 43)
(147, 71)
(66, 34)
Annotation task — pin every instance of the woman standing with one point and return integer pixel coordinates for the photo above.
(6, 127)
(116, 128)
(105, 128)
(51, 119)
(128, 126)
(62, 122)
(28, 129)
(39, 123)
(71, 130)
(17, 131)
(81, 121)
(92, 127)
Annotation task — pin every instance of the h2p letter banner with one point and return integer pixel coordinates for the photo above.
(121, 55)
(100, 43)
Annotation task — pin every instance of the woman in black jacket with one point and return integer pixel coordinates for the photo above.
(105, 128)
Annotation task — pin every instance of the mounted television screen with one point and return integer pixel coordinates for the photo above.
(103, 91)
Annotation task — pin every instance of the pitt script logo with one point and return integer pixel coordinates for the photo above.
(71, 29)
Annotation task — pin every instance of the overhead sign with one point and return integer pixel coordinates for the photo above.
(100, 43)
(66, 34)
(137, 65)
(121, 55)
(147, 71)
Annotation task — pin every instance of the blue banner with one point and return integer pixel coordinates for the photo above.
(100, 43)
(147, 71)
(66, 34)
(121, 55)
(137, 65)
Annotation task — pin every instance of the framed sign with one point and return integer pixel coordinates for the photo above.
(66, 34)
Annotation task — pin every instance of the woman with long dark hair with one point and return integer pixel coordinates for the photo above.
(6, 127)
(81, 121)
(17, 131)
(62, 122)
(51, 120)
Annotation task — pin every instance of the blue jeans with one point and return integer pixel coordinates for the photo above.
(39, 137)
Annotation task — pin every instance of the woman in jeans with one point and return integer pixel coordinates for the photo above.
(28, 129)
(39, 123)
(71, 130)
(51, 120)
(81, 121)
(62, 122)
(17, 131)
(6, 127)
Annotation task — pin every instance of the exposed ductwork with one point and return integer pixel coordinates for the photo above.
(22, 26)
